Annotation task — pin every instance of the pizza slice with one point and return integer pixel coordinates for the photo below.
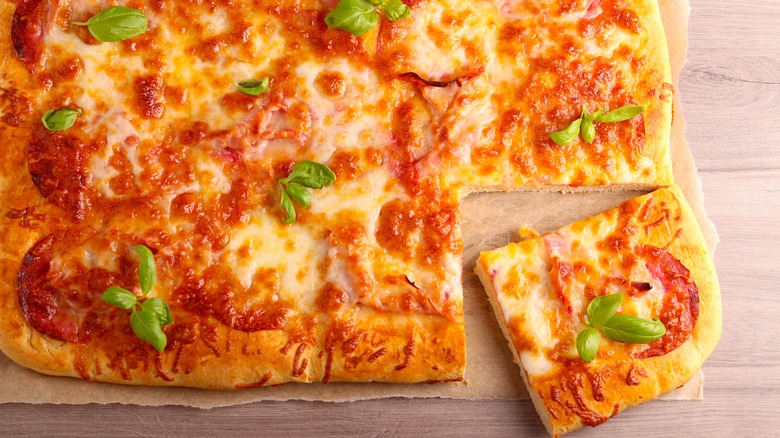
(552, 294)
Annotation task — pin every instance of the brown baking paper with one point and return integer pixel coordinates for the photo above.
(490, 220)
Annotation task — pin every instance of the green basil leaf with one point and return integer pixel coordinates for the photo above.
(629, 328)
(396, 9)
(568, 134)
(311, 174)
(147, 272)
(160, 309)
(588, 340)
(587, 130)
(623, 113)
(288, 208)
(355, 16)
(146, 326)
(602, 308)
(60, 119)
(117, 23)
(299, 193)
(119, 297)
(253, 87)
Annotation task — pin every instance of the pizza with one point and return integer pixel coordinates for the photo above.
(649, 258)
(296, 187)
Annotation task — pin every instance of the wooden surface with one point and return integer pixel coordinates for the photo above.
(731, 100)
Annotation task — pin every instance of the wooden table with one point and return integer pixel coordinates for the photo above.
(731, 99)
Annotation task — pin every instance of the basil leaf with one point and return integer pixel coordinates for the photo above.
(396, 9)
(355, 16)
(304, 174)
(588, 340)
(311, 174)
(623, 113)
(587, 130)
(117, 23)
(60, 119)
(288, 208)
(299, 193)
(147, 271)
(568, 134)
(146, 326)
(160, 308)
(629, 328)
(253, 87)
(602, 308)
(119, 297)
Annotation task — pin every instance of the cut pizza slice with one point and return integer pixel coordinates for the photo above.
(649, 256)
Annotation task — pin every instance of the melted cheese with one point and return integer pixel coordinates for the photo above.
(290, 252)
(525, 290)
(346, 103)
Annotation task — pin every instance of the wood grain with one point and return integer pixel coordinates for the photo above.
(731, 95)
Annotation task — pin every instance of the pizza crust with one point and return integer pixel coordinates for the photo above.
(659, 120)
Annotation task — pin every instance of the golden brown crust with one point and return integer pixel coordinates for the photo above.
(659, 121)
(575, 393)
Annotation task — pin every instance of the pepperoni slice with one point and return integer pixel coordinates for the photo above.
(57, 166)
(64, 307)
(28, 27)
(42, 305)
(680, 307)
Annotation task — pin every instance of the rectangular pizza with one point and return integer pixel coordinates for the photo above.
(244, 193)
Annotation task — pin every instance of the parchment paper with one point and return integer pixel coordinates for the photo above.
(491, 220)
